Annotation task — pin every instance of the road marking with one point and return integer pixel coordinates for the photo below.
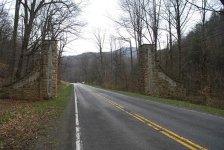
(172, 135)
(179, 139)
(78, 141)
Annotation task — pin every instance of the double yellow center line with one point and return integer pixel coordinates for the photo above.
(179, 139)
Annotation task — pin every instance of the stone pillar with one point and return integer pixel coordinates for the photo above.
(151, 70)
(49, 66)
(146, 67)
(143, 65)
(152, 79)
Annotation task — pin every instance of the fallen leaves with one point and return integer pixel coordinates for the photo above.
(20, 124)
(22, 121)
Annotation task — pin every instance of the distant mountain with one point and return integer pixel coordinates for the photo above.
(72, 67)
(126, 52)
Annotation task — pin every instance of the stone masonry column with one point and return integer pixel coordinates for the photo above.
(151, 71)
(49, 69)
(152, 79)
(143, 67)
(146, 68)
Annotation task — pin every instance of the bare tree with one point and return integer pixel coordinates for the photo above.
(132, 20)
(179, 12)
(152, 12)
(214, 5)
(99, 38)
(84, 63)
(112, 48)
(204, 60)
(127, 39)
(41, 18)
(5, 33)
(167, 17)
(63, 42)
(15, 31)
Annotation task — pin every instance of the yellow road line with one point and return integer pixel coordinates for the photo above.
(179, 139)
(171, 133)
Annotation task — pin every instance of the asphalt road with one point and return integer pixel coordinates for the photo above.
(112, 121)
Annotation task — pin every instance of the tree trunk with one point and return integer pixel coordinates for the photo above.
(14, 37)
(179, 40)
(131, 56)
(180, 56)
(204, 71)
(170, 41)
(23, 50)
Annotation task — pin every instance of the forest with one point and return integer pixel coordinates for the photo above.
(199, 69)
(187, 35)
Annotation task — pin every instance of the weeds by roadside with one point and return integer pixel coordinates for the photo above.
(21, 122)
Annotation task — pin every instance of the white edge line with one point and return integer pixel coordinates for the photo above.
(77, 128)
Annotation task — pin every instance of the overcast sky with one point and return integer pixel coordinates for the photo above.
(97, 14)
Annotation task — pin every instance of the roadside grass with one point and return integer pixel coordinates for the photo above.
(174, 102)
(57, 105)
(23, 121)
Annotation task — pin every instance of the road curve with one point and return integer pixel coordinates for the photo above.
(112, 121)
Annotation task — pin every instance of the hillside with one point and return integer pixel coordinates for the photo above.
(77, 68)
